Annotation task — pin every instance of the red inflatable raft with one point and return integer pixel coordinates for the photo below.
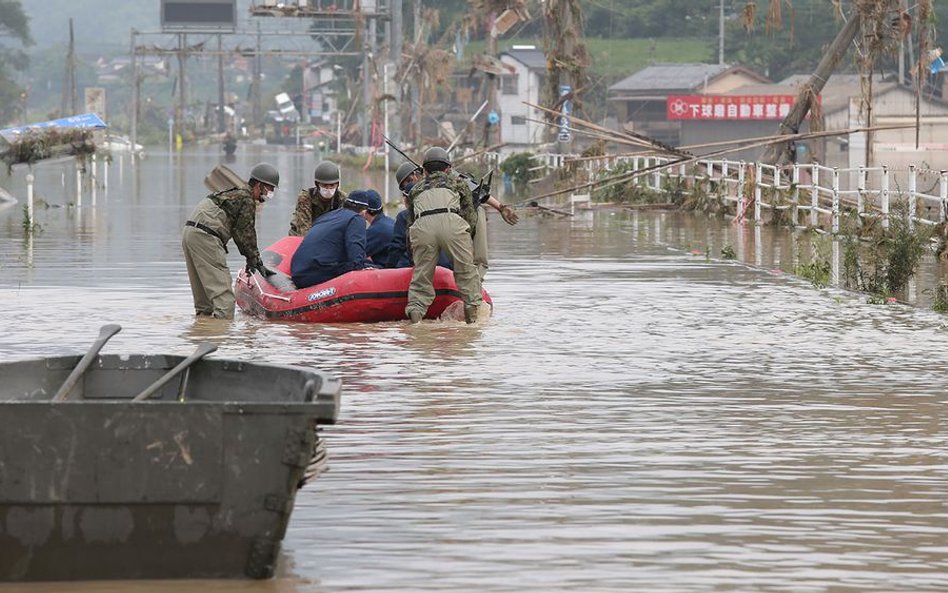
(360, 296)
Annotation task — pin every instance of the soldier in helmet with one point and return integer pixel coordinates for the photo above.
(406, 176)
(218, 218)
(316, 201)
(442, 215)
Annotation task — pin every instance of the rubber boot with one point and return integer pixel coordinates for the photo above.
(470, 313)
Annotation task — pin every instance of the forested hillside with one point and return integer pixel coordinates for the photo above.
(622, 36)
(102, 26)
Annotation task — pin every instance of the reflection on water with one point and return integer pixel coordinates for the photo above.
(636, 416)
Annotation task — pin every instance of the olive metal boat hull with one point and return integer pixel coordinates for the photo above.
(196, 482)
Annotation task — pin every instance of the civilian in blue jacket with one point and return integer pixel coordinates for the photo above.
(378, 237)
(333, 246)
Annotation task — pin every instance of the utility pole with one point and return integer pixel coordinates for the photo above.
(369, 58)
(721, 34)
(780, 154)
(415, 92)
(492, 84)
(221, 122)
(70, 97)
(136, 93)
(395, 43)
(182, 103)
(255, 87)
(567, 54)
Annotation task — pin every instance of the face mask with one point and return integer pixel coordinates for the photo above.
(407, 189)
(268, 196)
(326, 193)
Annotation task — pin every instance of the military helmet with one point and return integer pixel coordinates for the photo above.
(403, 171)
(436, 154)
(265, 173)
(326, 172)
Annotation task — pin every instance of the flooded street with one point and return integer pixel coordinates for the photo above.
(634, 417)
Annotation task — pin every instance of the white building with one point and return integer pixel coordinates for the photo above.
(522, 81)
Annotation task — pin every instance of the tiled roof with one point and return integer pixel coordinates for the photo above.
(669, 77)
(533, 59)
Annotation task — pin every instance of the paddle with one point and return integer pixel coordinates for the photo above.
(105, 332)
(200, 352)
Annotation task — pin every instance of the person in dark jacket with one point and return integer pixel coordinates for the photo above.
(378, 237)
(218, 218)
(333, 246)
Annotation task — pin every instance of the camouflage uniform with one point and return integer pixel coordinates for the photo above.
(451, 181)
(309, 207)
(480, 233)
(480, 243)
(218, 218)
(442, 216)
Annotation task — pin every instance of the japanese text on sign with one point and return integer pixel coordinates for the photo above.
(728, 108)
(563, 119)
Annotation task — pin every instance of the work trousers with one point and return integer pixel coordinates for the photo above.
(211, 283)
(429, 235)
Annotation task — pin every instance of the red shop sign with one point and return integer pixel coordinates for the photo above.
(728, 108)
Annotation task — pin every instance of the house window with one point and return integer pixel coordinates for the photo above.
(518, 120)
(508, 84)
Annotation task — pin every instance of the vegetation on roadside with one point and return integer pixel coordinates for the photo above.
(36, 145)
(940, 298)
(879, 259)
(30, 228)
(519, 168)
(816, 266)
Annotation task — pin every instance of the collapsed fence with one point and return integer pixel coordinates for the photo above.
(813, 195)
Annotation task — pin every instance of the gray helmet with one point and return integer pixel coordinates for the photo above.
(266, 173)
(326, 172)
(403, 171)
(436, 154)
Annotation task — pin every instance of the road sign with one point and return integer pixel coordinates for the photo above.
(566, 111)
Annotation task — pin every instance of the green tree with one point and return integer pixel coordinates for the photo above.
(15, 31)
(779, 50)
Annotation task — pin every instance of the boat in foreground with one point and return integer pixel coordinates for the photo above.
(360, 296)
(196, 479)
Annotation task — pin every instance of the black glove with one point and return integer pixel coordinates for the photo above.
(264, 271)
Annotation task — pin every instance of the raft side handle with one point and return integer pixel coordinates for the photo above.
(267, 294)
